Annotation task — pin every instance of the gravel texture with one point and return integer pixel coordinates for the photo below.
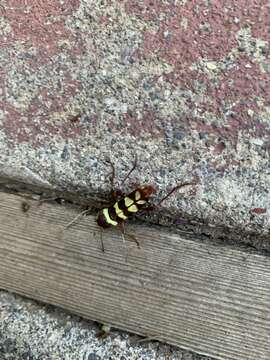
(182, 84)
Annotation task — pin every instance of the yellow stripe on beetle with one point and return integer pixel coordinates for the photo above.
(128, 202)
(133, 208)
(119, 212)
(107, 217)
(140, 202)
(137, 195)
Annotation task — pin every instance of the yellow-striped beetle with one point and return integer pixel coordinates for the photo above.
(126, 205)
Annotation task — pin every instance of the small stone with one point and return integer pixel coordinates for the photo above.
(179, 135)
(93, 356)
(265, 67)
(257, 141)
(166, 34)
(203, 135)
(184, 23)
(264, 49)
(106, 327)
(211, 66)
(147, 86)
(35, 197)
(65, 153)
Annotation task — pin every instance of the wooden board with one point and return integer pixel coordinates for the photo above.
(211, 300)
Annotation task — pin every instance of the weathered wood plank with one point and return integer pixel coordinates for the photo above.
(212, 300)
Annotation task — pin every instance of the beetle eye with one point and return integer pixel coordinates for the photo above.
(118, 193)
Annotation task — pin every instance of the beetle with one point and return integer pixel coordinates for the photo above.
(126, 205)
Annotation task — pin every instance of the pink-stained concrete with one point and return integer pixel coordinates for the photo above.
(198, 29)
(22, 127)
(39, 24)
(39, 29)
(219, 148)
(146, 123)
(184, 85)
(187, 33)
(238, 91)
(258, 211)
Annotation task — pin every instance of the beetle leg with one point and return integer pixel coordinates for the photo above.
(121, 227)
(101, 241)
(115, 193)
(77, 217)
(131, 170)
(112, 175)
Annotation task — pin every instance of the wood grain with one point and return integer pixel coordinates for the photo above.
(212, 300)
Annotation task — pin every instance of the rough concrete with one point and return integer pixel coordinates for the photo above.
(32, 331)
(183, 84)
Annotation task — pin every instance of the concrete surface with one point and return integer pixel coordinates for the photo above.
(32, 331)
(183, 84)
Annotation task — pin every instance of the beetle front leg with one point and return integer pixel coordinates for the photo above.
(115, 193)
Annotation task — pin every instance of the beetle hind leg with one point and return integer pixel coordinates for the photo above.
(101, 241)
(124, 234)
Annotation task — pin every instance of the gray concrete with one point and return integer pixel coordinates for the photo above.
(190, 100)
(32, 331)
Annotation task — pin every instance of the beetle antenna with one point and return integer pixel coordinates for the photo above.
(174, 189)
(131, 170)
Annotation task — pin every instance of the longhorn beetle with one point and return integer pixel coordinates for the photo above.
(126, 205)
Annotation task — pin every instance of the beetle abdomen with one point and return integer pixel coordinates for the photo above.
(122, 209)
